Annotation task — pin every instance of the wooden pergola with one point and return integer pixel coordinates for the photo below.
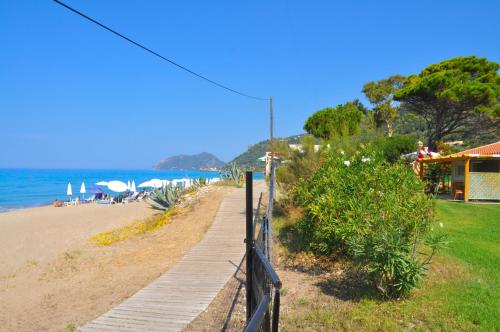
(487, 152)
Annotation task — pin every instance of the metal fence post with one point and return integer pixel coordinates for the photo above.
(269, 238)
(249, 242)
(276, 310)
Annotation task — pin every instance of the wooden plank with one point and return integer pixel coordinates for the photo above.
(178, 296)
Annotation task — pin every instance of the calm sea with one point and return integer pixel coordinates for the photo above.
(21, 188)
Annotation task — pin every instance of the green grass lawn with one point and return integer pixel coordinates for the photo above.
(461, 291)
(475, 234)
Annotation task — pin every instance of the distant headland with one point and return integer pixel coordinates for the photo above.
(201, 161)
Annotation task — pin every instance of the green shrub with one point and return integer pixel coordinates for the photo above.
(393, 147)
(165, 197)
(198, 183)
(375, 212)
(297, 165)
(232, 173)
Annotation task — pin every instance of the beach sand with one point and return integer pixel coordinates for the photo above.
(40, 234)
(52, 277)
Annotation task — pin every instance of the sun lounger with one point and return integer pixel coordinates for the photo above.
(74, 201)
(131, 198)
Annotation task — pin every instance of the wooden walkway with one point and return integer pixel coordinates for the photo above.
(178, 296)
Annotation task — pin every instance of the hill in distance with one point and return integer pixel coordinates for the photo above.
(201, 161)
(249, 158)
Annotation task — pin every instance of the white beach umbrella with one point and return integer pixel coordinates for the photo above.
(69, 191)
(146, 184)
(117, 186)
(133, 186)
(82, 188)
(102, 183)
(128, 185)
(156, 183)
(187, 182)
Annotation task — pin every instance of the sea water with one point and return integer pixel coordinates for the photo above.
(21, 188)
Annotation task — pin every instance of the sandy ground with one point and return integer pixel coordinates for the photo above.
(51, 277)
(40, 234)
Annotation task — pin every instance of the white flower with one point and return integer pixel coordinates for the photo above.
(441, 225)
(342, 152)
(365, 159)
(347, 163)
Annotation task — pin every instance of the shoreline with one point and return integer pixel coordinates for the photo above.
(44, 205)
(22, 208)
(22, 188)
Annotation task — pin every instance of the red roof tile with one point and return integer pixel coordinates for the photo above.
(493, 148)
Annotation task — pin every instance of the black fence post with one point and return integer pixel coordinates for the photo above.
(276, 310)
(249, 241)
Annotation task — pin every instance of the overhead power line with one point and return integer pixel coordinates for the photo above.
(157, 54)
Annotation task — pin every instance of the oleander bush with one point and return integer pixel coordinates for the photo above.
(374, 211)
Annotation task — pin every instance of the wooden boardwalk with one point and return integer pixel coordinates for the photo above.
(178, 296)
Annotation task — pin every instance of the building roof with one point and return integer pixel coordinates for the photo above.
(486, 151)
(490, 149)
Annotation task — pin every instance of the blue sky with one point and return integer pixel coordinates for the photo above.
(75, 96)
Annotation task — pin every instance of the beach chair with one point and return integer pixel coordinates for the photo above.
(131, 198)
(74, 201)
(143, 194)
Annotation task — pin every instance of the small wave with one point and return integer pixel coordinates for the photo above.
(3, 209)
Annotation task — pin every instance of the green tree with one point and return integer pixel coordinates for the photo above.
(343, 120)
(381, 95)
(456, 97)
(391, 148)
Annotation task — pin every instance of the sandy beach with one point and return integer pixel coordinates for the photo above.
(52, 276)
(40, 234)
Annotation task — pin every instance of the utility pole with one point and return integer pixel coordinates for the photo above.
(271, 139)
(271, 183)
(271, 124)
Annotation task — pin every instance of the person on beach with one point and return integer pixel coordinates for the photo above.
(57, 203)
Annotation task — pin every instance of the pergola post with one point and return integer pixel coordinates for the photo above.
(466, 179)
(421, 169)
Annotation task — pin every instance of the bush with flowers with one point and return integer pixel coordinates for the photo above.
(375, 212)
